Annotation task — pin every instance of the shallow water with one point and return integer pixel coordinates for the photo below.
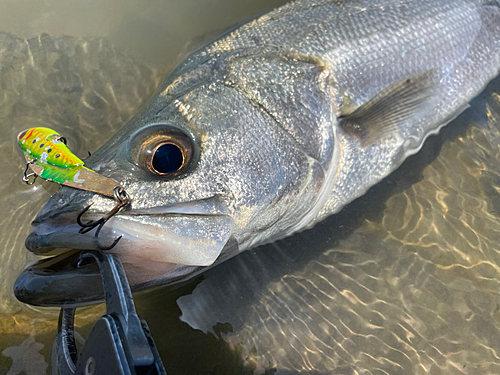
(402, 281)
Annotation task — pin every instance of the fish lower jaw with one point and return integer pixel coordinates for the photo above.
(136, 252)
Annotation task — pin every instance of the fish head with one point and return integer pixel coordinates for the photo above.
(208, 175)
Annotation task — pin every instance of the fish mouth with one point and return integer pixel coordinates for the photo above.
(189, 233)
(157, 245)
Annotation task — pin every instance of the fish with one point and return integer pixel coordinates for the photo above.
(265, 132)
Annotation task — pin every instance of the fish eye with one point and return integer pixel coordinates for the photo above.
(164, 151)
(167, 158)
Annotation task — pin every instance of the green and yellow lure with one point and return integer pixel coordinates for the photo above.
(48, 156)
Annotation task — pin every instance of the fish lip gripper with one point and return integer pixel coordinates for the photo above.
(119, 343)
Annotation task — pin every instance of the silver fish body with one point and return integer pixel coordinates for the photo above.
(292, 116)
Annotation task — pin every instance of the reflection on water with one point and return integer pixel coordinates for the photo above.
(403, 281)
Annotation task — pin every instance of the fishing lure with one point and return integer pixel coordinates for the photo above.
(48, 156)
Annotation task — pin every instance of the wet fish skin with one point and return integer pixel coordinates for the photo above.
(266, 105)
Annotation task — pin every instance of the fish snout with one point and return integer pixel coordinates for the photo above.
(56, 225)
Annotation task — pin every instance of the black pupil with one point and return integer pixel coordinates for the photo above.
(167, 158)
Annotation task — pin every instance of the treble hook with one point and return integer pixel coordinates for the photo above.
(26, 175)
(122, 197)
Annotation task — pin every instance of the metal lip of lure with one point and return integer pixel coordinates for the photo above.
(48, 157)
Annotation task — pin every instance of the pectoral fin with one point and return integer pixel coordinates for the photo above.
(398, 103)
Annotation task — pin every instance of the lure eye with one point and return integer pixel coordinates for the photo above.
(22, 134)
(168, 152)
